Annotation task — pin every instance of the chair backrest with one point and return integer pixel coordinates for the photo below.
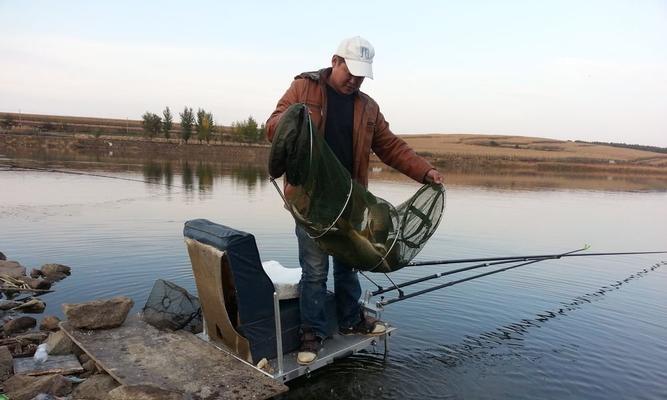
(235, 292)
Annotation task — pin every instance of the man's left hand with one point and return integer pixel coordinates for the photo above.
(433, 176)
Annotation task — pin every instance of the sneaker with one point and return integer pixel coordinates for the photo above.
(310, 346)
(367, 326)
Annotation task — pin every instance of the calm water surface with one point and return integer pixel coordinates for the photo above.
(578, 328)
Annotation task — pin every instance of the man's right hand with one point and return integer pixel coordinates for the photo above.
(433, 176)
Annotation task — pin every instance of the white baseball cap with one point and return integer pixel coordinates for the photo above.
(358, 54)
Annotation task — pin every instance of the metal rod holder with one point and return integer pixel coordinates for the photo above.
(279, 332)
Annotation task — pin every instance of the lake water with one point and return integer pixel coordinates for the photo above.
(576, 328)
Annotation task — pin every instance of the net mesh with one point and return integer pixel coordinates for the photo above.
(169, 306)
(344, 218)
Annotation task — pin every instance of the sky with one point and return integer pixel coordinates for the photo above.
(571, 70)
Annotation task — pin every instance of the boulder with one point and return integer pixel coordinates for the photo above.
(32, 337)
(2, 256)
(55, 277)
(36, 273)
(9, 304)
(52, 269)
(19, 324)
(84, 358)
(50, 323)
(32, 306)
(6, 364)
(59, 344)
(34, 283)
(12, 269)
(96, 387)
(23, 387)
(143, 392)
(98, 314)
(89, 366)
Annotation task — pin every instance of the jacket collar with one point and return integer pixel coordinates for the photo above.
(320, 75)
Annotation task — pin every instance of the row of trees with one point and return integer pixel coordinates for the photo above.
(200, 124)
(655, 149)
(248, 131)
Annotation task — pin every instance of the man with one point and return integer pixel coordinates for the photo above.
(353, 126)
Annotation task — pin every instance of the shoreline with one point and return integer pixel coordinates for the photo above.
(449, 155)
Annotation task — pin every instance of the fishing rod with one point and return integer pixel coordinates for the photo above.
(525, 260)
(441, 274)
(452, 283)
(62, 171)
(500, 260)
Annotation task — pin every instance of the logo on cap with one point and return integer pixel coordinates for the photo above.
(365, 53)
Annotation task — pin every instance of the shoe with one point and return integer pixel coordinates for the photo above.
(367, 326)
(310, 346)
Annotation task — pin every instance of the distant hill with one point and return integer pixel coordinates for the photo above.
(522, 148)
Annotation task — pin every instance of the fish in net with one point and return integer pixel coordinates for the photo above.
(345, 219)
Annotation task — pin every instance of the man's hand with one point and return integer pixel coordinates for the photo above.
(433, 176)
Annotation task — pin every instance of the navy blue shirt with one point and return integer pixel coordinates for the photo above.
(339, 124)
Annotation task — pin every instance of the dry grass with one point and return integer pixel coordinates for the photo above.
(521, 148)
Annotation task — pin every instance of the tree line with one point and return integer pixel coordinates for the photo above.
(655, 149)
(201, 126)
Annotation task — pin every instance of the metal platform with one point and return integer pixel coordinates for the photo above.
(334, 348)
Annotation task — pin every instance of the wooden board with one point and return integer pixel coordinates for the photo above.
(137, 353)
(64, 365)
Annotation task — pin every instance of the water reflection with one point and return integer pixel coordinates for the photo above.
(187, 177)
(202, 174)
(205, 176)
(251, 170)
(250, 175)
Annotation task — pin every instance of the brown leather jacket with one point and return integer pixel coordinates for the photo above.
(371, 131)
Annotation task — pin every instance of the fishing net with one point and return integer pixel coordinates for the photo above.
(344, 218)
(169, 306)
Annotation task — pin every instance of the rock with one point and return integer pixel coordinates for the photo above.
(12, 269)
(34, 283)
(50, 269)
(6, 364)
(54, 277)
(89, 366)
(143, 392)
(9, 304)
(84, 358)
(59, 344)
(85, 374)
(2, 256)
(32, 306)
(23, 387)
(50, 323)
(36, 273)
(98, 314)
(33, 337)
(96, 387)
(19, 324)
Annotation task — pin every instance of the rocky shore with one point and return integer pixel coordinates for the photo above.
(39, 361)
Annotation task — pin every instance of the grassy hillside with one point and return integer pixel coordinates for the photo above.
(527, 149)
